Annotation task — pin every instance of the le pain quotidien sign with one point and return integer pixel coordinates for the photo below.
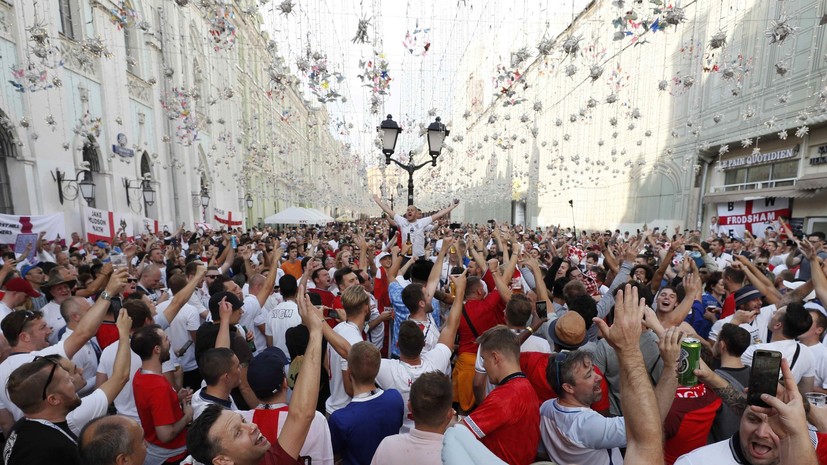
(759, 158)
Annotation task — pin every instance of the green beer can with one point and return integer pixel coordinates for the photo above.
(689, 361)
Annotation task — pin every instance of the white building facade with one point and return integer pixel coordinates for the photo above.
(188, 96)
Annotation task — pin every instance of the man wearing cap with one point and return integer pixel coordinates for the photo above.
(16, 292)
(100, 250)
(574, 433)
(266, 378)
(60, 290)
(27, 334)
(34, 275)
(749, 315)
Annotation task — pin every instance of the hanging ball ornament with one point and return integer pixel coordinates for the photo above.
(718, 40)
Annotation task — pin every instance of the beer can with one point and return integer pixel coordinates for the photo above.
(689, 361)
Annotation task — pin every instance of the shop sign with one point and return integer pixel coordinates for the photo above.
(822, 158)
(758, 158)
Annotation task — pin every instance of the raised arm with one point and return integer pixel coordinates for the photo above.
(643, 429)
(816, 270)
(270, 281)
(183, 296)
(540, 289)
(442, 212)
(120, 371)
(449, 331)
(436, 270)
(384, 207)
(89, 324)
(670, 350)
(306, 392)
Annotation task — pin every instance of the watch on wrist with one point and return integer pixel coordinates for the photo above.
(105, 296)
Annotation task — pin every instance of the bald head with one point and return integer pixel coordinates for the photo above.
(73, 309)
(256, 282)
(110, 440)
(151, 277)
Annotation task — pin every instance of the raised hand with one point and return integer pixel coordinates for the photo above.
(624, 334)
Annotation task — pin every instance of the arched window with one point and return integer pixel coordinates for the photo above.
(90, 156)
(7, 151)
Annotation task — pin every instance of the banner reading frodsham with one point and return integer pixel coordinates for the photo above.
(735, 217)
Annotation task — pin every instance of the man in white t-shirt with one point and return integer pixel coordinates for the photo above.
(141, 316)
(60, 290)
(181, 333)
(813, 339)
(413, 229)
(27, 333)
(749, 315)
(73, 310)
(356, 303)
(785, 326)
(284, 316)
(414, 361)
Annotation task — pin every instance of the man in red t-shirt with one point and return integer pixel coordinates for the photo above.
(508, 420)
(482, 312)
(159, 407)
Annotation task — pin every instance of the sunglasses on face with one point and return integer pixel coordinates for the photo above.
(132, 280)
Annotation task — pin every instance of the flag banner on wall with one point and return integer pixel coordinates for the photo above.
(101, 225)
(11, 225)
(755, 215)
(227, 220)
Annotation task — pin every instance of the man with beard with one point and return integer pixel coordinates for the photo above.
(574, 433)
(46, 395)
(163, 417)
(411, 226)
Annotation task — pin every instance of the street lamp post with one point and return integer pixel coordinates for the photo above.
(390, 134)
(205, 201)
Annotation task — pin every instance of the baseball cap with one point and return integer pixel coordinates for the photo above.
(215, 300)
(793, 285)
(21, 285)
(568, 331)
(747, 293)
(101, 244)
(24, 270)
(265, 374)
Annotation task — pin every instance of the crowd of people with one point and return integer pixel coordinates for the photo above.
(411, 338)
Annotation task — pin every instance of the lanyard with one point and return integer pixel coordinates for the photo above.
(53, 426)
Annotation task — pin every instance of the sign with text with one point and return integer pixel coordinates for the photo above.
(100, 225)
(12, 225)
(754, 215)
(758, 158)
(25, 241)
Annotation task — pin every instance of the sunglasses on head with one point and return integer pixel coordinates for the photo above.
(560, 359)
(51, 373)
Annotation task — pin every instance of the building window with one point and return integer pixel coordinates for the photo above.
(68, 12)
(762, 176)
(7, 153)
(131, 45)
(90, 155)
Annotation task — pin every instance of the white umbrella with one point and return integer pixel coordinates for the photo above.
(294, 215)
